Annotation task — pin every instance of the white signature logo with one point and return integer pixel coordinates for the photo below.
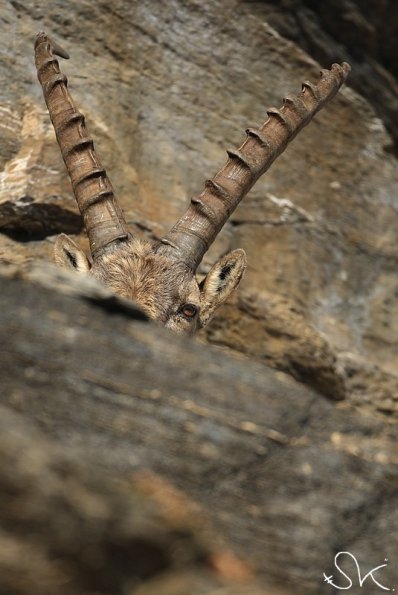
(361, 579)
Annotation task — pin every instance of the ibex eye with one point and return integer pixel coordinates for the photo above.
(189, 310)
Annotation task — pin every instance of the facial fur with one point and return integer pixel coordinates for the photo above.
(166, 289)
(159, 285)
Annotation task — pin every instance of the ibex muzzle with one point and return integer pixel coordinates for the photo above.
(160, 276)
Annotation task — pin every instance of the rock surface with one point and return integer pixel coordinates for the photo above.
(286, 477)
(67, 529)
(166, 88)
(365, 33)
(165, 92)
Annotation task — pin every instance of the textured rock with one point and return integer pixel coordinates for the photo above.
(277, 332)
(67, 528)
(166, 87)
(285, 475)
(365, 33)
(165, 91)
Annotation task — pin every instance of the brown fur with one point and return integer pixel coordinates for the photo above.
(160, 285)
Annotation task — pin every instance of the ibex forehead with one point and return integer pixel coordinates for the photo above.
(159, 283)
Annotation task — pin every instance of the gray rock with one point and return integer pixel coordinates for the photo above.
(165, 91)
(286, 477)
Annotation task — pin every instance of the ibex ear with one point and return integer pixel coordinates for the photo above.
(68, 255)
(220, 281)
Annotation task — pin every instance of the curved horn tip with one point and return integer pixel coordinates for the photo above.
(42, 37)
(344, 68)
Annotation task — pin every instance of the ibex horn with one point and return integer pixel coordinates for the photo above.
(103, 218)
(192, 235)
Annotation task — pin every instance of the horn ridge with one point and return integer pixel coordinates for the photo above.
(103, 217)
(195, 231)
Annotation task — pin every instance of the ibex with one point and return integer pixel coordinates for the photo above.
(161, 276)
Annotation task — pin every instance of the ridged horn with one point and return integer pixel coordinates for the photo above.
(192, 235)
(103, 218)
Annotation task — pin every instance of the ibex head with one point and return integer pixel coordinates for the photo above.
(161, 276)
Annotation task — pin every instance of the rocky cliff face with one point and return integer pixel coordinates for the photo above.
(165, 91)
(166, 88)
(133, 461)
